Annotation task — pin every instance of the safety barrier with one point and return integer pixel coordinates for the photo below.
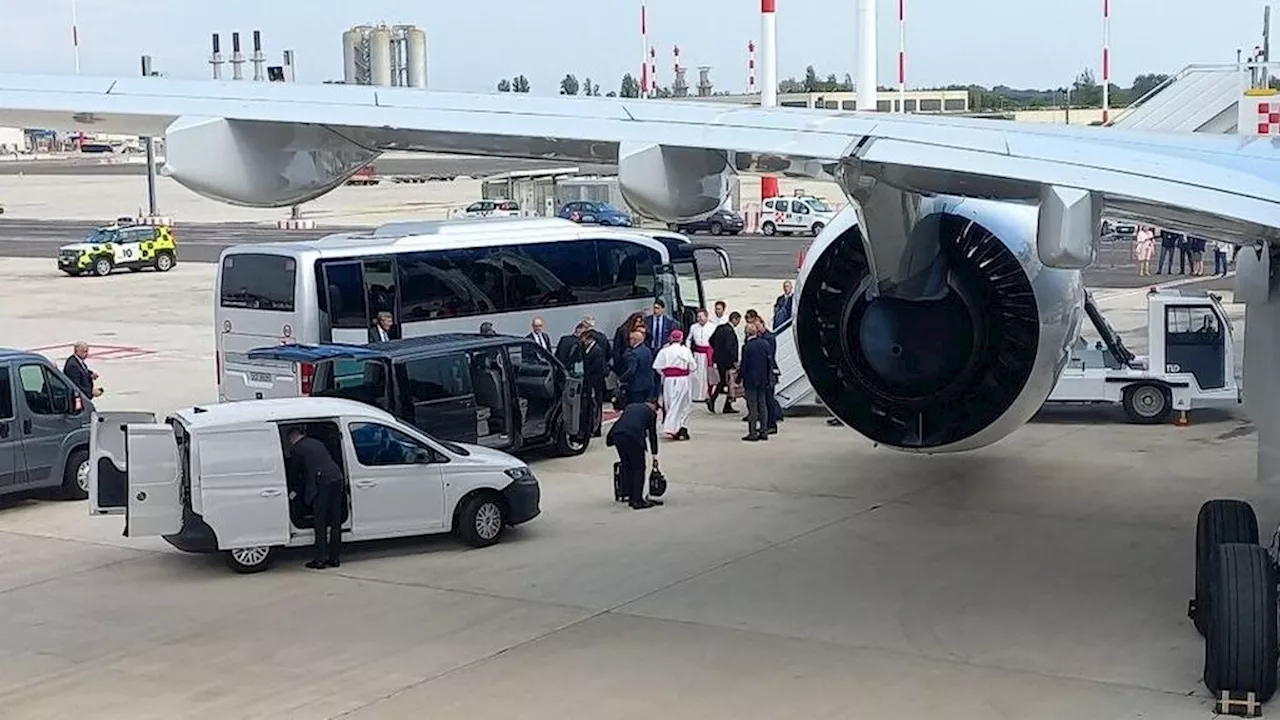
(295, 224)
(154, 220)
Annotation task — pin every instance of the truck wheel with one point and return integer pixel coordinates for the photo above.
(75, 476)
(250, 560)
(1219, 522)
(102, 266)
(1242, 647)
(481, 520)
(164, 262)
(769, 229)
(1147, 404)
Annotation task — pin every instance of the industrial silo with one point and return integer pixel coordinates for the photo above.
(415, 42)
(352, 54)
(380, 56)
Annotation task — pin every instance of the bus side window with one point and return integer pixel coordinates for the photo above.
(344, 286)
(380, 288)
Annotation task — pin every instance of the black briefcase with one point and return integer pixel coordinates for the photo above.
(619, 494)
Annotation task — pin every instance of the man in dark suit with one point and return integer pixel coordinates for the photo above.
(637, 374)
(322, 489)
(78, 372)
(595, 368)
(756, 375)
(569, 347)
(724, 351)
(539, 336)
(638, 423)
(659, 326)
(383, 329)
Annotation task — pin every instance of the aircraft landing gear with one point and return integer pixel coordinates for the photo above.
(1235, 607)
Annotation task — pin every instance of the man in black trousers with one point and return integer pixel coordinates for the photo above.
(638, 422)
(322, 489)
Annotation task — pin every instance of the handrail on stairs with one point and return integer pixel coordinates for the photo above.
(1194, 67)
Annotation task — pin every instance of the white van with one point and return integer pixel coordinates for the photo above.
(217, 478)
(795, 215)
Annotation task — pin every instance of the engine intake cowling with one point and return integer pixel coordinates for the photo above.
(957, 370)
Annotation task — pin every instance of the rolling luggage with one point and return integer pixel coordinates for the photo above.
(619, 494)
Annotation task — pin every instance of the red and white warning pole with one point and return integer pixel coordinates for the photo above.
(902, 55)
(653, 70)
(644, 52)
(1106, 61)
(768, 78)
(75, 37)
(751, 68)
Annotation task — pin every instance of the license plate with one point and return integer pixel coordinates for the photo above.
(259, 377)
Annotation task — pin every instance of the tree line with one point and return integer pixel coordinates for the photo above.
(1083, 92)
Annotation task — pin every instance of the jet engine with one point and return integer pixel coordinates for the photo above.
(673, 184)
(959, 360)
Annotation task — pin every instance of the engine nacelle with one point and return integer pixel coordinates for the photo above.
(259, 164)
(945, 374)
(673, 184)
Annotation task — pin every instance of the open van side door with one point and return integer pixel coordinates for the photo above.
(571, 403)
(108, 469)
(155, 481)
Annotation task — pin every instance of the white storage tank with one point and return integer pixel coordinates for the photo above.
(415, 41)
(380, 56)
(352, 51)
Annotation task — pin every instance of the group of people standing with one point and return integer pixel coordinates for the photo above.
(1188, 249)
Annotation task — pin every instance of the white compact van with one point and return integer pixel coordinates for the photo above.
(218, 478)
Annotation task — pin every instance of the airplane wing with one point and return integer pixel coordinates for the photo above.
(1224, 186)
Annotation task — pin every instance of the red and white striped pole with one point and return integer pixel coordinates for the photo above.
(1106, 61)
(75, 37)
(902, 56)
(751, 68)
(675, 68)
(768, 78)
(644, 52)
(653, 70)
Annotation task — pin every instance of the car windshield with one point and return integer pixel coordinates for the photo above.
(819, 205)
(101, 235)
(602, 207)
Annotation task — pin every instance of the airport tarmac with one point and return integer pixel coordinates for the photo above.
(813, 576)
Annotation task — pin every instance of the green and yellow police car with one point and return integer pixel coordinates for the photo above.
(120, 246)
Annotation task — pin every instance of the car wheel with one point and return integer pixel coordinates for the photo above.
(568, 446)
(481, 520)
(1147, 404)
(164, 262)
(102, 266)
(717, 228)
(247, 561)
(769, 229)
(817, 228)
(75, 475)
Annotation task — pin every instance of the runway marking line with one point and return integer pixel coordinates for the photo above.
(99, 352)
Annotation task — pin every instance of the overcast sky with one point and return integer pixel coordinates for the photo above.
(471, 45)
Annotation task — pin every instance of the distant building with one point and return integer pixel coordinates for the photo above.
(12, 140)
(917, 101)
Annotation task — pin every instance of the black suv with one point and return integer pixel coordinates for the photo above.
(498, 391)
(721, 222)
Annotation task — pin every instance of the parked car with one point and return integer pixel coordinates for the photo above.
(795, 215)
(44, 428)
(721, 222)
(499, 391)
(597, 213)
(116, 246)
(492, 208)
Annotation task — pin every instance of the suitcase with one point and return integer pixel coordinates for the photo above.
(619, 494)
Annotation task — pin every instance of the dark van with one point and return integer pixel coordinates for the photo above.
(44, 428)
(497, 391)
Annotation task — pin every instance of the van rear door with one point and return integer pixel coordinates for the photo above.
(108, 476)
(155, 480)
(243, 486)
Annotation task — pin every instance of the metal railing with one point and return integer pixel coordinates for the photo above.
(1241, 67)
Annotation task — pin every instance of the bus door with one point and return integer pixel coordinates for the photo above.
(353, 292)
(680, 283)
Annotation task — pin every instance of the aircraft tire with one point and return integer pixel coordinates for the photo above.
(1219, 521)
(1242, 648)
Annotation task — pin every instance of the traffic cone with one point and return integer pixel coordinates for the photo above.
(1182, 420)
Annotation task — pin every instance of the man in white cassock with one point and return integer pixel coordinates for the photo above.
(700, 345)
(674, 363)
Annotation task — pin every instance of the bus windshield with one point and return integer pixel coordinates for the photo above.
(257, 282)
